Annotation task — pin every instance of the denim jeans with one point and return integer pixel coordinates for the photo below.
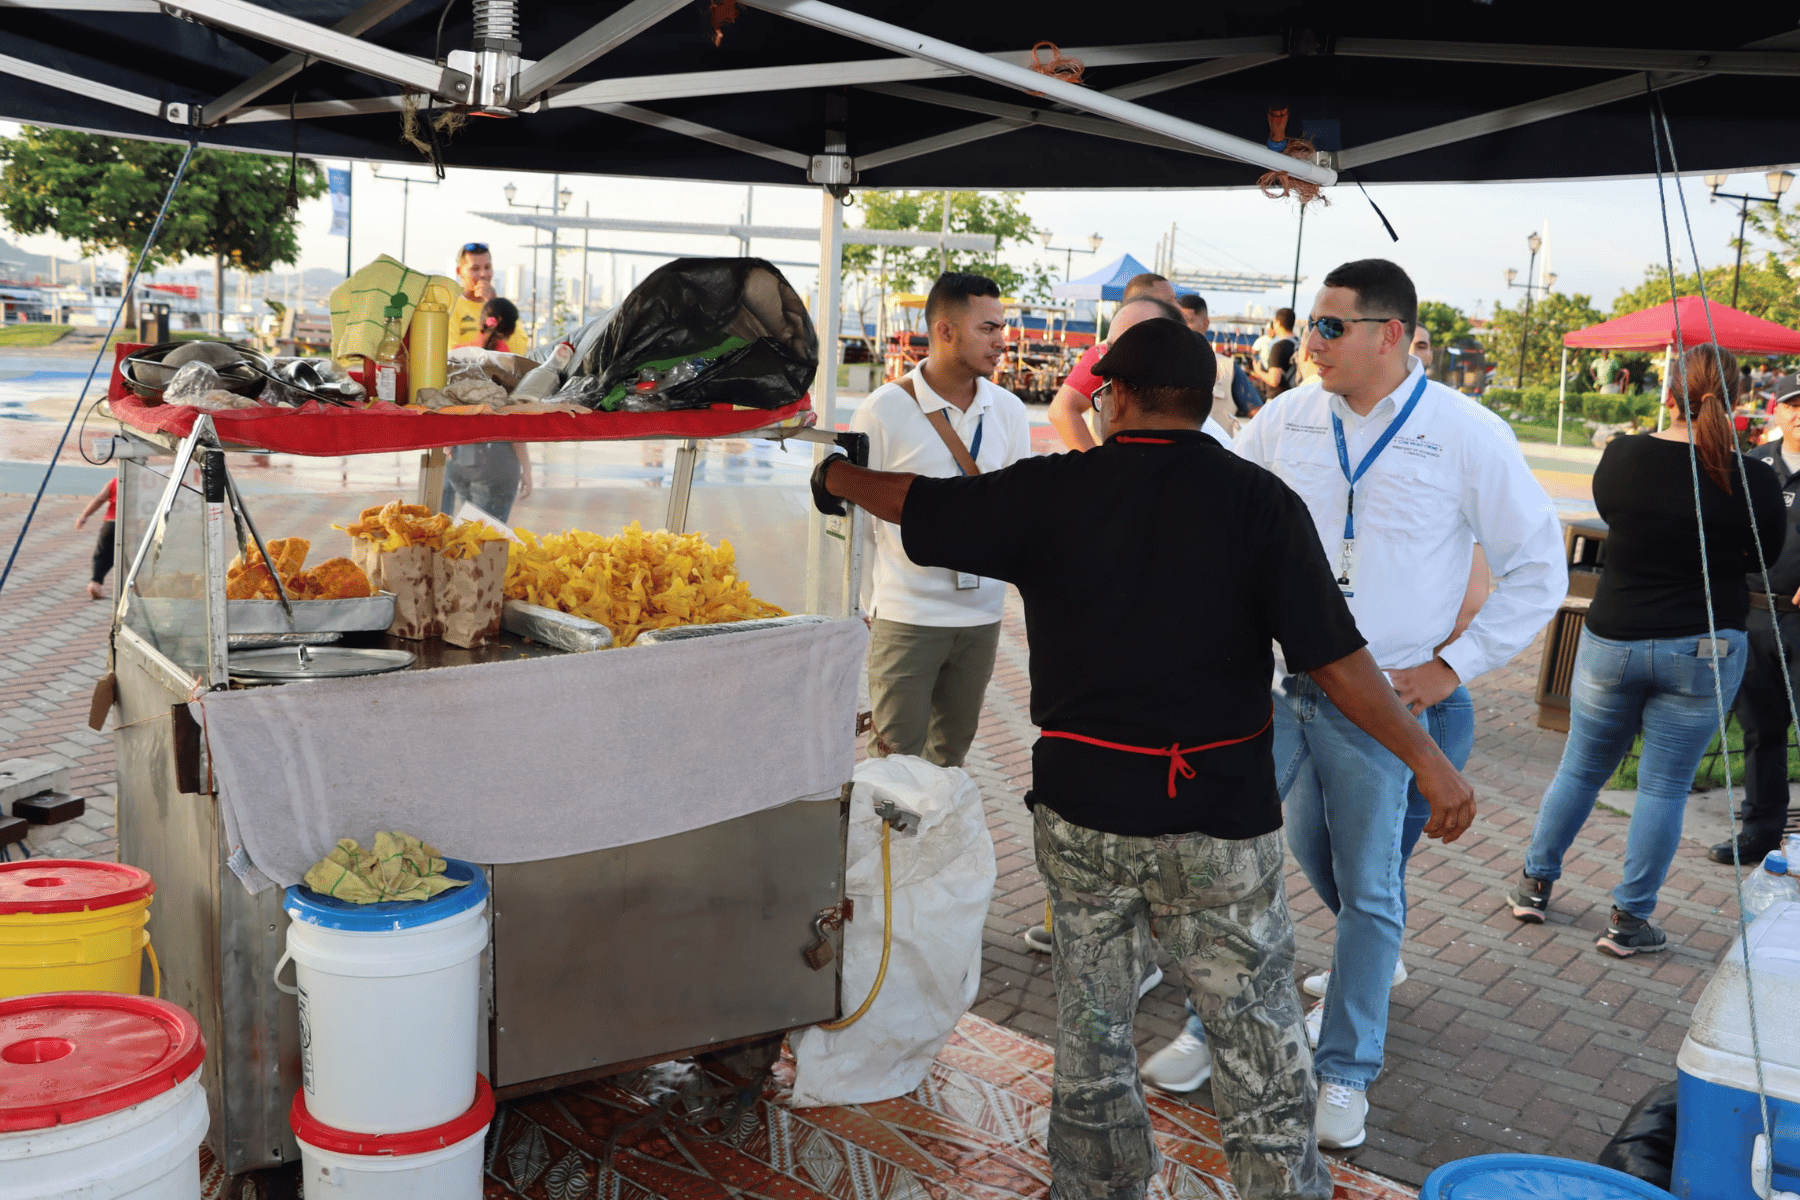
(1451, 723)
(1663, 688)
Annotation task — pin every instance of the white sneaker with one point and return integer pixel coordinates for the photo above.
(1315, 985)
(1037, 938)
(1150, 981)
(1181, 1066)
(1315, 1021)
(1341, 1115)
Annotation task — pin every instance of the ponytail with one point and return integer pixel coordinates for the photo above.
(1704, 372)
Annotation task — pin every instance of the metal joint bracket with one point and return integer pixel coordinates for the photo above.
(454, 85)
(1325, 158)
(833, 172)
(176, 112)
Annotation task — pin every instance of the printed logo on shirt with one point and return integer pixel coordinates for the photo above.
(1297, 427)
(1417, 447)
(1789, 497)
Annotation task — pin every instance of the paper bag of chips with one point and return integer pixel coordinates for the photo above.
(410, 572)
(469, 593)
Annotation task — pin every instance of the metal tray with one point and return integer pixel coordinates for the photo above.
(563, 630)
(245, 618)
(683, 633)
(320, 662)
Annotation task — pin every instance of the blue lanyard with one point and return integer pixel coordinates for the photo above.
(1381, 443)
(975, 446)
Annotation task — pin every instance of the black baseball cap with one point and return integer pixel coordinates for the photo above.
(1160, 353)
(1787, 389)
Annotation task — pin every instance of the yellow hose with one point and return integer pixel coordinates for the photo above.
(155, 969)
(887, 933)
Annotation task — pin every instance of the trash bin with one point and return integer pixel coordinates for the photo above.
(1584, 546)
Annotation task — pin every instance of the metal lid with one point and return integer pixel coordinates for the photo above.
(63, 885)
(314, 908)
(318, 662)
(73, 1056)
(321, 1136)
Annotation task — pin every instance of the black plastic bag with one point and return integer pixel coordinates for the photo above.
(1644, 1147)
(738, 323)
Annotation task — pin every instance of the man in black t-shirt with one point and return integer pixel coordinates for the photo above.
(1153, 795)
(1282, 370)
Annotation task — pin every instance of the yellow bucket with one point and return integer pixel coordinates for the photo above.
(71, 926)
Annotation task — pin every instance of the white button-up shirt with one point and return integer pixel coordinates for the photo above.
(1452, 476)
(901, 439)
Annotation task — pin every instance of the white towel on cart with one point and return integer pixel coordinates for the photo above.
(539, 758)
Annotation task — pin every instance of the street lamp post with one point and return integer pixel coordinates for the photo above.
(405, 182)
(1778, 181)
(1069, 252)
(561, 196)
(1532, 287)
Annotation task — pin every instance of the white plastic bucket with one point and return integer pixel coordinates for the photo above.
(434, 1164)
(389, 1011)
(148, 1150)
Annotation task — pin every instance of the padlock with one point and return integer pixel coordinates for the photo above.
(820, 953)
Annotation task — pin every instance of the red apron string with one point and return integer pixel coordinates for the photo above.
(1176, 754)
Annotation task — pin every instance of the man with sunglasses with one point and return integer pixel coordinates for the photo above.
(1402, 477)
(1153, 794)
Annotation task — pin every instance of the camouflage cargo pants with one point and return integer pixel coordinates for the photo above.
(1219, 909)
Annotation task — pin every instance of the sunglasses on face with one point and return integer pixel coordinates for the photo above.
(1332, 328)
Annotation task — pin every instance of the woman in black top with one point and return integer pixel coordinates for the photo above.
(1647, 659)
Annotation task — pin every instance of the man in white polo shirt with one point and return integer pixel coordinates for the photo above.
(1402, 477)
(934, 631)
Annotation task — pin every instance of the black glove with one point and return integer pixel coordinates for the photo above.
(823, 500)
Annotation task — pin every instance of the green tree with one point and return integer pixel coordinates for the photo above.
(1445, 321)
(912, 269)
(103, 194)
(1551, 317)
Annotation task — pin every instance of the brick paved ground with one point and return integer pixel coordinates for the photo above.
(1506, 1037)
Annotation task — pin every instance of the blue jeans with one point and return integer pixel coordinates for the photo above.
(1662, 687)
(1451, 723)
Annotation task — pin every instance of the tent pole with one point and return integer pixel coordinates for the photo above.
(1662, 406)
(1562, 394)
(831, 271)
(1299, 233)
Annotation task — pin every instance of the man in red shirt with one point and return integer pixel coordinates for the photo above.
(1074, 399)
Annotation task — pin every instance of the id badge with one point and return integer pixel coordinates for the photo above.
(966, 582)
(1346, 580)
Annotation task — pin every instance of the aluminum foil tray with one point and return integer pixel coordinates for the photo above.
(244, 618)
(682, 633)
(563, 630)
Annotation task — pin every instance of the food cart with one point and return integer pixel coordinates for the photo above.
(635, 951)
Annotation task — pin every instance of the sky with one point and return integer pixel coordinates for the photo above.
(1456, 240)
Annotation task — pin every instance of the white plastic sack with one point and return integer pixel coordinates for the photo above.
(943, 877)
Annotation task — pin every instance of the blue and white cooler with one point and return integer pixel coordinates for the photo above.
(1721, 1152)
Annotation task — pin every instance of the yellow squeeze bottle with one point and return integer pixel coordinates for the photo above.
(429, 353)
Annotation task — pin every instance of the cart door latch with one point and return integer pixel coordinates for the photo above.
(819, 954)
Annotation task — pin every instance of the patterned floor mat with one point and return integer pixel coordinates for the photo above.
(974, 1130)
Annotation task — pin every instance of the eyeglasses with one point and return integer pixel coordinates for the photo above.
(1104, 389)
(474, 248)
(1332, 328)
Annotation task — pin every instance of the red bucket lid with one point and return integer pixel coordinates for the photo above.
(60, 885)
(323, 1137)
(73, 1056)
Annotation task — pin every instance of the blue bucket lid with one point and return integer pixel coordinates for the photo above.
(304, 904)
(1533, 1177)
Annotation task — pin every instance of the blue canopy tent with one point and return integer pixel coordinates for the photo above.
(1108, 283)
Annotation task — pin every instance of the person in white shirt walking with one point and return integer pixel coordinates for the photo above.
(934, 632)
(1402, 477)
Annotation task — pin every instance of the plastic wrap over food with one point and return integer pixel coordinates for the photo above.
(703, 331)
(682, 633)
(192, 381)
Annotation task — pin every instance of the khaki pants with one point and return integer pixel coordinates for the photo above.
(1219, 909)
(926, 685)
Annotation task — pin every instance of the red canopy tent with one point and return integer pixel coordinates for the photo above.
(1654, 329)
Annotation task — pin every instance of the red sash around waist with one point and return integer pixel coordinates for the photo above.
(1176, 754)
